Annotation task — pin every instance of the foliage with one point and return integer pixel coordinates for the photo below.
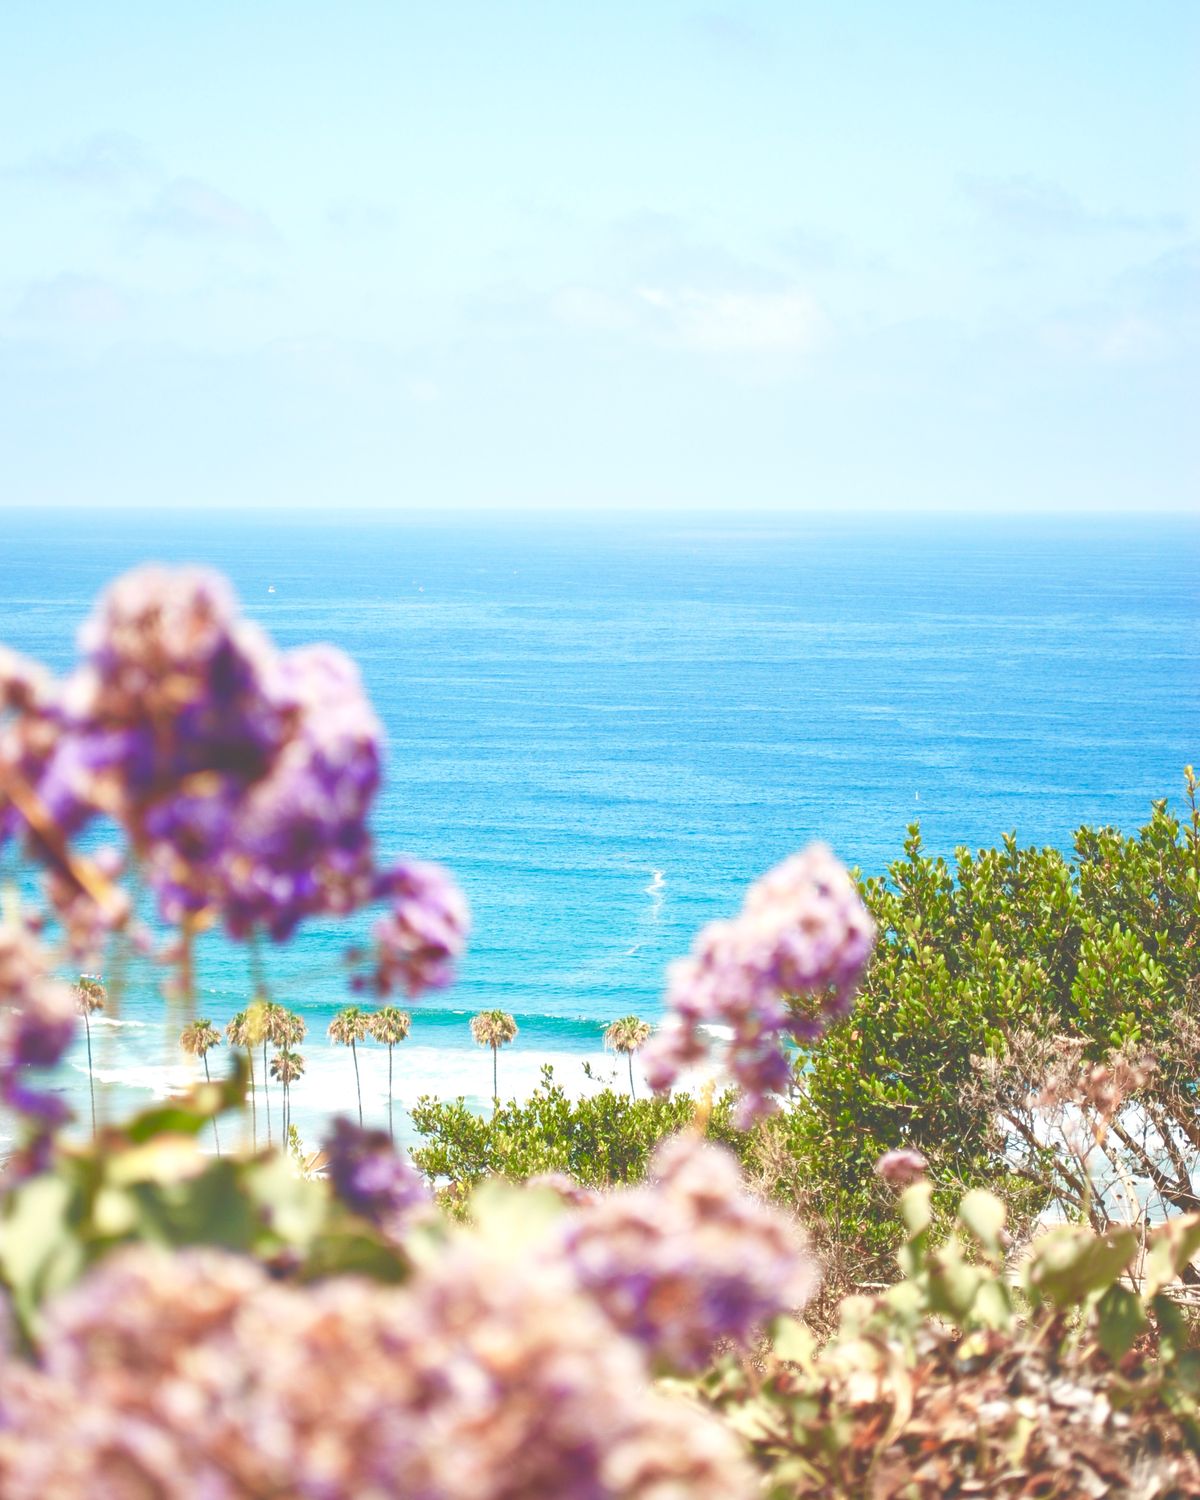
(598, 1141)
(148, 1182)
(1070, 1375)
(1098, 953)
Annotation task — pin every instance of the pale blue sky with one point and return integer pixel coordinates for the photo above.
(773, 255)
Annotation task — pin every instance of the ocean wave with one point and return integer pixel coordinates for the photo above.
(160, 1080)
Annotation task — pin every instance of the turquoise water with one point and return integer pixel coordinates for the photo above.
(606, 729)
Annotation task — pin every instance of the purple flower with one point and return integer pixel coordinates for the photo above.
(371, 1177)
(174, 714)
(482, 1378)
(690, 1258)
(803, 932)
(419, 940)
(37, 1022)
(298, 844)
(33, 769)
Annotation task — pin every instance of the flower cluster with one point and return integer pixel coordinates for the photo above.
(299, 844)
(38, 797)
(242, 776)
(481, 1379)
(372, 1178)
(802, 932)
(419, 940)
(37, 1022)
(689, 1259)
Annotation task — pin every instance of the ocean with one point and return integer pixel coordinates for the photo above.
(607, 727)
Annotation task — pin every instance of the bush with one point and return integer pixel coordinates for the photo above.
(600, 1141)
(1088, 959)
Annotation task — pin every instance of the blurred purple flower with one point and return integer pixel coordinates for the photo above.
(37, 1022)
(192, 1374)
(299, 843)
(802, 932)
(371, 1177)
(690, 1258)
(417, 943)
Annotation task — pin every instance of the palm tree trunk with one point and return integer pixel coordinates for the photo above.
(391, 1122)
(495, 1085)
(266, 1095)
(357, 1080)
(253, 1098)
(208, 1079)
(632, 1095)
(87, 1026)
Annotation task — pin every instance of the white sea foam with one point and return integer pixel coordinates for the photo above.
(159, 1080)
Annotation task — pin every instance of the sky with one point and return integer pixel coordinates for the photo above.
(631, 255)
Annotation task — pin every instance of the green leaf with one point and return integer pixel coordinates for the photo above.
(355, 1253)
(1120, 1317)
(289, 1206)
(1170, 1247)
(1173, 1328)
(793, 1341)
(1069, 1264)
(512, 1218)
(983, 1214)
(39, 1252)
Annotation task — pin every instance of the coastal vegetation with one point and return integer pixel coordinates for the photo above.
(929, 1230)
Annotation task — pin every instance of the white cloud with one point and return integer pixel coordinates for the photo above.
(1034, 206)
(192, 209)
(362, 217)
(74, 301)
(109, 161)
(738, 322)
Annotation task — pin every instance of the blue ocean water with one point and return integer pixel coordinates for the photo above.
(606, 728)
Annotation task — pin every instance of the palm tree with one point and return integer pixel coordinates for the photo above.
(197, 1040)
(628, 1035)
(244, 1031)
(292, 1028)
(494, 1029)
(90, 995)
(348, 1028)
(286, 1067)
(389, 1025)
(275, 1027)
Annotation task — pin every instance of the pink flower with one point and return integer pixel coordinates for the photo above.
(901, 1166)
